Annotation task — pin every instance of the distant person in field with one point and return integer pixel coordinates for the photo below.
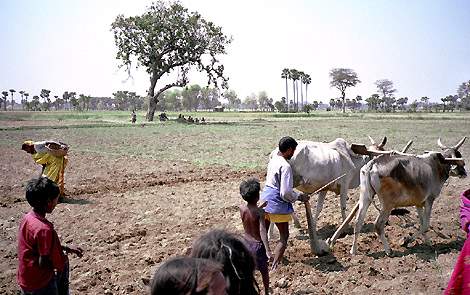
(43, 266)
(254, 225)
(460, 280)
(189, 276)
(163, 117)
(133, 117)
(238, 264)
(278, 192)
(52, 155)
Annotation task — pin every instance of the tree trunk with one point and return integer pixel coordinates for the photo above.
(297, 90)
(344, 103)
(152, 99)
(287, 95)
(293, 90)
(306, 96)
(301, 95)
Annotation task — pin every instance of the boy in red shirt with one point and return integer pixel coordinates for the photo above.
(43, 266)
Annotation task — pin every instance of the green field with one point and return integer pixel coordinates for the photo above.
(237, 140)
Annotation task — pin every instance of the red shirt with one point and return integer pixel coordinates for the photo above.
(37, 237)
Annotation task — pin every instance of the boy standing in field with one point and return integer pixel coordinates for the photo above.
(43, 267)
(255, 229)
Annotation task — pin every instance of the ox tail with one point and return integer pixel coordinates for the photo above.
(367, 189)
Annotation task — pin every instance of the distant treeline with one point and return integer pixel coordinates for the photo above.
(195, 97)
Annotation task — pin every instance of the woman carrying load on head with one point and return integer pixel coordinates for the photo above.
(52, 155)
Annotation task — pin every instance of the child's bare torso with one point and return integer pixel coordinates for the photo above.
(250, 216)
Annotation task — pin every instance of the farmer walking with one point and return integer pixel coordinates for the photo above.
(52, 155)
(278, 192)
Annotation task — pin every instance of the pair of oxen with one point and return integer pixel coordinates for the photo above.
(398, 179)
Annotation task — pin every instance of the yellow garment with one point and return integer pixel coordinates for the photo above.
(278, 218)
(54, 167)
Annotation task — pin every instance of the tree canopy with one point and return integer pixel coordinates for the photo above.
(341, 79)
(168, 38)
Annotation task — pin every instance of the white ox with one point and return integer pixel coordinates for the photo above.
(314, 164)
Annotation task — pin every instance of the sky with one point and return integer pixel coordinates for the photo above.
(422, 46)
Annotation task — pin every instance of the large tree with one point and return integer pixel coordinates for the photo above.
(166, 39)
(385, 87)
(373, 102)
(232, 98)
(341, 79)
(191, 97)
(251, 102)
(263, 100)
(425, 101)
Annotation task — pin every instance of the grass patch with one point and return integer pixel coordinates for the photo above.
(238, 142)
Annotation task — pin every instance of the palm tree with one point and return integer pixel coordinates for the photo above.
(332, 103)
(57, 102)
(26, 94)
(12, 100)
(301, 80)
(285, 75)
(306, 80)
(5, 96)
(425, 100)
(22, 98)
(294, 75)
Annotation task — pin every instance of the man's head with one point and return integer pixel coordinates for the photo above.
(28, 146)
(42, 194)
(249, 190)
(287, 147)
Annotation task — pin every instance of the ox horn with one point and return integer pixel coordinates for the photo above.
(457, 146)
(407, 146)
(384, 141)
(372, 141)
(439, 143)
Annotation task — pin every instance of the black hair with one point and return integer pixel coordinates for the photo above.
(41, 190)
(237, 261)
(249, 189)
(287, 142)
(185, 276)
